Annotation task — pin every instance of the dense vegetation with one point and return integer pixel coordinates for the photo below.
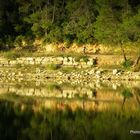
(79, 21)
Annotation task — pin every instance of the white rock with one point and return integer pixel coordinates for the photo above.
(90, 63)
(60, 58)
(98, 72)
(114, 86)
(29, 59)
(119, 73)
(70, 58)
(115, 71)
(65, 59)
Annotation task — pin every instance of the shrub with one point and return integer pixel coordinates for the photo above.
(54, 87)
(78, 58)
(127, 93)
(127, 64)
(95, 61)
(53, 66)
(18, 66)
(14, 54)
(85, 58)
(19, 41)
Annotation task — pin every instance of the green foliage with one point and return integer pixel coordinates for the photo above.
(18, 41)
(117, 23)
(68, 69)
(53, 87)
(18, 66)
(127, 64)
(14, 54)
(82, 57)
(127, 93)
(72, 21)
(53, 66)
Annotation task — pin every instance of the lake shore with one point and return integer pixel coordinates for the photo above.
(88, 68)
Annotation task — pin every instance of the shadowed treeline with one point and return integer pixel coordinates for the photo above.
(72, 21)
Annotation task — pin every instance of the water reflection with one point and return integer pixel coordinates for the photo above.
(18, 121)
(57, 111)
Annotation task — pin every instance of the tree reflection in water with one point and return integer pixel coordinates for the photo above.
(20, 121)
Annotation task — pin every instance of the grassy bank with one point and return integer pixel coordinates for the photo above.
(73, 50)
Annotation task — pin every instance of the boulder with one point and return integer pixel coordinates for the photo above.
(90, 63)
(115, 71)
(98, 72)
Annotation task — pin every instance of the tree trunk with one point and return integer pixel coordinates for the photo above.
(136, 61)
(126, 6)
(53, 16)
(124, 99)
(62, 7)
(63, 4)
(124, 55)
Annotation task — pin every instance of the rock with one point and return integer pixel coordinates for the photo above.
(29, 58)
(89, 93)
(92, 71)
(75, 63)
(114, 86)
(115, 71)
(119, 73)
(65, 59)
(31, 62)
(13, 73)
(84, 66)
(60, 58)
(90, 63)
(70, 58)
(13, 62)
(98, 72)
(90, 59)
(38, 70)
(60, 73)
(98, 76)
(69, 63)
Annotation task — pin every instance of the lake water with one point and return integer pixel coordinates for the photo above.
(60, 110)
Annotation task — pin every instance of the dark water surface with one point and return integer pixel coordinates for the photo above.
(49, 110)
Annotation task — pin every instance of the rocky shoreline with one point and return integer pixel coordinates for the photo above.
(82, 68)
(85, 74)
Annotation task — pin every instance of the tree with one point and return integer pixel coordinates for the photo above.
(8, 18)
(117, 25)
(113, 22)
(81, 16)
(107, 28)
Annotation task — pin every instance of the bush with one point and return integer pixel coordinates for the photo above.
(127, 64)
(13, 54)
(54, 87)
(85, 58)
(19, 41)
(53, 66)
(127, 93)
